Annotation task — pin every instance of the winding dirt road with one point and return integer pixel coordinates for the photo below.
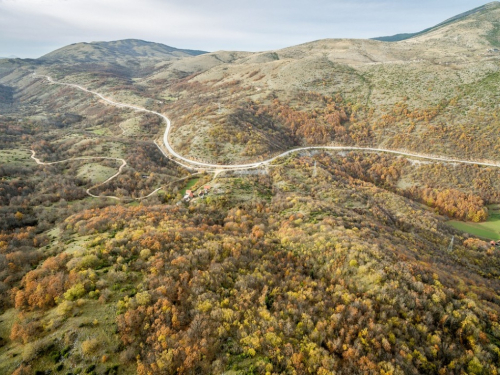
(193, 164)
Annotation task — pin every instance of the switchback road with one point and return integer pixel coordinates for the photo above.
(201, 165)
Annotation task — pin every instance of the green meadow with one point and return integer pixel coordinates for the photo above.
(489, 229)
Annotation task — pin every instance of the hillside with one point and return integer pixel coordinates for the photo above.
(392, 94)
(479, 10)
(319, 262)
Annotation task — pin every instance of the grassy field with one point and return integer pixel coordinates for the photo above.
(99, 131)
(189, 185)
(15, 156)
(95, 172)
(490, 229)
(13, 352)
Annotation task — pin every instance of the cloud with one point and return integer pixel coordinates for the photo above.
(34, 27)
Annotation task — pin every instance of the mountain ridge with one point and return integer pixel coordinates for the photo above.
(119, 49)
(126, 50)
(458, 17)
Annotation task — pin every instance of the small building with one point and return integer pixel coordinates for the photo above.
(204, 191)
(188, 196)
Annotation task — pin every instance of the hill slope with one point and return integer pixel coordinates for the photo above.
(404, 36)
(320, 263)
(393, 95)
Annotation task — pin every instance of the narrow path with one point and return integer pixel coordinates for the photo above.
(200, 165)
(123, 130)
(88, 191)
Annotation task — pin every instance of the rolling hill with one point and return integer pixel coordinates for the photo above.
(116, 51)
(400, 93)
(321, 262)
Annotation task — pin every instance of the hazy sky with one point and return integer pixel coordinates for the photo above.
(31, 28)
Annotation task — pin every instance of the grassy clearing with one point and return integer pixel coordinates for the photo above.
(6, 322)
(110, 149)
(15, 156)
(10, 353)
(99, 131)
(169, 98)
(93, 321)
(78, 244)
(478, 230)
(96, 172)
(54, 234)
(64, 349)
(490, 229)
(130, 126)
(189, 185)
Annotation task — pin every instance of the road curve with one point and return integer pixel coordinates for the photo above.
(201, 165)
(88, 191)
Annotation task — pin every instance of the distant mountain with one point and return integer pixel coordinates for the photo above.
(116, 52)
(459, 17)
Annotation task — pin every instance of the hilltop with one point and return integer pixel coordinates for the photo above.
(116, 51)
(479, 10)
(122, 59)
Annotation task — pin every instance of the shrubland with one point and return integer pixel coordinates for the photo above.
(319, 263)
(324, 273)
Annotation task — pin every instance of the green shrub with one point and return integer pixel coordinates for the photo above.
(143, 298)
(75, 292)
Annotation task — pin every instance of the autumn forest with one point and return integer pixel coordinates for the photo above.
(119, 257)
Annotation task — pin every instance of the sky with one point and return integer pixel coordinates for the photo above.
(32, 28)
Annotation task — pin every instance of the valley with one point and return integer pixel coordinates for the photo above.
(351, 188)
